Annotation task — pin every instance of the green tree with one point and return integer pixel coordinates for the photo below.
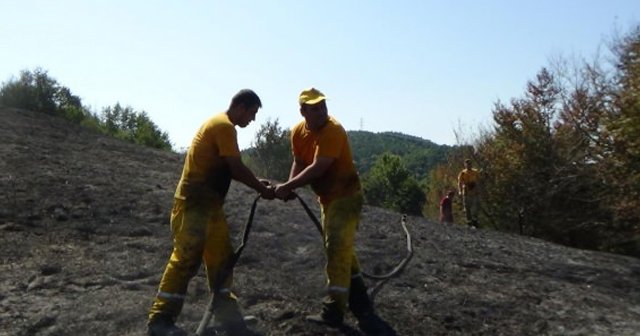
(390, 185)
(519, 159)
(70, 105)
(37, 91)
(270, 155)
(536, 179)
(130, 125)
(621, 157)
(598, 135)
(147, 133)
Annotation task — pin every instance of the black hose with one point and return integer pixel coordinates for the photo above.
(383, 278)
(226, 270)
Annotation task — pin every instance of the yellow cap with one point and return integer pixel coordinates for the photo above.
(311, 96)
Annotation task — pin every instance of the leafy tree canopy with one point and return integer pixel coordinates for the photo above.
(390, 185)
(37, 91)
(270, 155)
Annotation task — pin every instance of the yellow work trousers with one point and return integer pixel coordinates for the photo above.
(471, 203)
(200, 232)
(340, 220)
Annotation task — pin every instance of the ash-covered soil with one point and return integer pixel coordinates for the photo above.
(84, 238)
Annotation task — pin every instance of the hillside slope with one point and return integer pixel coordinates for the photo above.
(84, 238)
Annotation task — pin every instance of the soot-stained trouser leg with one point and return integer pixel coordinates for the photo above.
(217, 252)
(189, 221)
(340, 220)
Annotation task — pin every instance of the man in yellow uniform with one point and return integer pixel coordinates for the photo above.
(198, 224)
(322, 158)
(468, 188)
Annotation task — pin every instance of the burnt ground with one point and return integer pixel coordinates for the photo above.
(85, 237)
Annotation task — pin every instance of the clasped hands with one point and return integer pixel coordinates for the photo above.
(279, 191)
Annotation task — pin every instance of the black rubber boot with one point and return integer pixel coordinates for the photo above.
(372, 325)
(228, 317)
(330, 315)
(362, 308)
(359, 302)
(164, 327)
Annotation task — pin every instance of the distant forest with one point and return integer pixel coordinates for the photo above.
(419, 155)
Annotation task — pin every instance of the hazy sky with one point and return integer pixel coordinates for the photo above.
(416, 67)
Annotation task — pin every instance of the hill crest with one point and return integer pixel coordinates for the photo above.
(418, 155)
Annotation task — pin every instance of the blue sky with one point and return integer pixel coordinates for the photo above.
(416, 67)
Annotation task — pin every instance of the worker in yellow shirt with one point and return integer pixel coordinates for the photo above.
(322, 158)
(468, 188)
(198, 223)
